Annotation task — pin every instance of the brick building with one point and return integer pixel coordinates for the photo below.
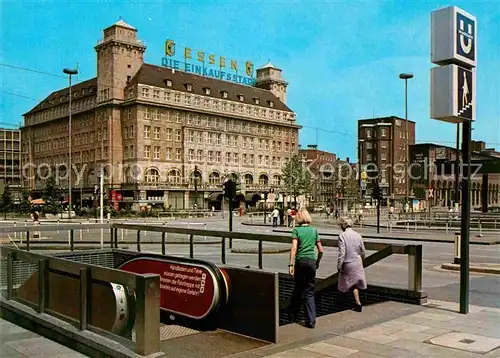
(150, 126)
(433, 167)
(382, 148)
(322, 167)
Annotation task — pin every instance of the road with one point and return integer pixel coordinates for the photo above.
(392, 271)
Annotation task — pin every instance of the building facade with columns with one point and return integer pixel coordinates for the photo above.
(161, 136)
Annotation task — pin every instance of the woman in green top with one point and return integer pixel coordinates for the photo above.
(303, 266)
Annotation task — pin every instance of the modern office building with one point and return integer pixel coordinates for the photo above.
(10, 161)
(382, 152)
(150, 127)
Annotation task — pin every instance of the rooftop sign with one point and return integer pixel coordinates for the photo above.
(208, 65)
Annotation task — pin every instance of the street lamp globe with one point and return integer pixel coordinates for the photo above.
(70, 71)
(406, 76)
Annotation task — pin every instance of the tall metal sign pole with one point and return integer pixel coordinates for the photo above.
(453, 99)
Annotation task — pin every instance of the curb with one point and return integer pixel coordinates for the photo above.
(480, 269)
(256, 251)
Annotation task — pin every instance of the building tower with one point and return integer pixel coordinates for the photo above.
(119, 56)
(269, 78)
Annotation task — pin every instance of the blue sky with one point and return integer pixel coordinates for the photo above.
(342, 59)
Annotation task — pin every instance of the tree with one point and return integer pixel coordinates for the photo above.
(297, 179)
(25, 206)
(50, 195)
(5, 202)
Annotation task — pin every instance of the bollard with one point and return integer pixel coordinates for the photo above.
(121, 239)
(71, 241)
(15, 233)
(447, 221)
(163, 248)
(480, 228)
(205, 226)
(58, 226)
(138, 241)
(81, 233)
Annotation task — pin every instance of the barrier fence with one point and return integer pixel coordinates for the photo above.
(146, 287)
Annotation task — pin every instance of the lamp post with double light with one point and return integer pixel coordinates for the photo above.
(406, 77)
(70, 72)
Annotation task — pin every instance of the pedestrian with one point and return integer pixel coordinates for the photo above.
(293, 214)
(303, 265)
(350, 261)
(289, 217)
(282, 216)
(275, 214)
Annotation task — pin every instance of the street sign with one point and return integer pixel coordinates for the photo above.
(453, 37)
(453, 94)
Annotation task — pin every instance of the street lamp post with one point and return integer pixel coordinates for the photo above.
(406, 77)
(69, 72)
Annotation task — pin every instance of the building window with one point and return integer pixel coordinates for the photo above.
(368, 133)
(199, 155)
(383, 156)
(191, 136)
(166, 96)
(383, 132)
(214, 178)
(369, 157)
(187, 99)
(383, 145)
(169, 134)
(207, 90)
(156, 152)
(218, 138)
(252, 159)
(256, 100)
(156, 94)
(263, 180)
(152, 176)
(132, 131)
(276, 180)
(177, 154)
(210, 138)
(224, 94)
(228, 158)
(224, 106)
(147, 151)
(125, 133)
(189, 87)
(197, 101)
(145, 92)
(147, 113)
(147, 132)
(169, 83)
(177, 98)
(369, 145)
(199, 137)
(241, 98)
(210, 156)
(271, 104)
(168, 154)
(191, 155)
(156, 133)
(244, 159)
(177, 135)
(157, 115)
(129, 113)
(206, 103)
(235, 158)
(217, 157)
(228, 140)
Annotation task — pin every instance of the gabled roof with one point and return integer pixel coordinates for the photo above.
(80, 90)
(157, 76)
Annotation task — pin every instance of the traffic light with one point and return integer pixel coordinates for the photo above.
(230, 189)
(377, 192)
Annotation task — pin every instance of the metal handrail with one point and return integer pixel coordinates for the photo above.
(147, 287)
